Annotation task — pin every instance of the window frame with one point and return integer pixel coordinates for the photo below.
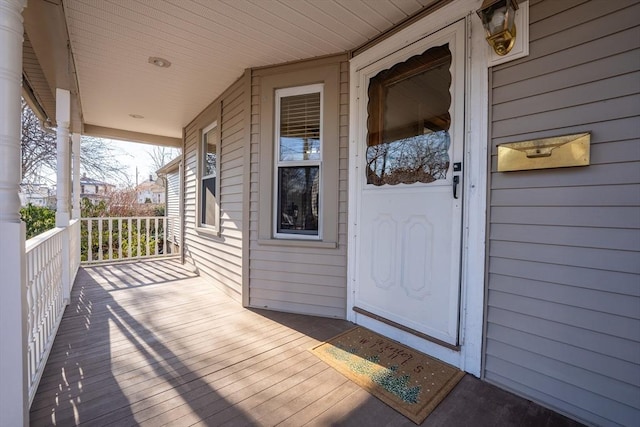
(278, 164)
(202, 151)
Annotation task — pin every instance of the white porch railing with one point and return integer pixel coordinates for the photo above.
(74, 248)
(111, 239)
(52, 261)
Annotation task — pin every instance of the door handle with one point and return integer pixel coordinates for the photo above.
(456, 181)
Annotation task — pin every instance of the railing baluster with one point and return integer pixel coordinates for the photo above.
(139, 254)
(110, 223)
(89, 242)
(129, 240)
(119, 238)
(165, 235)
(100, 239)
(155, 224)
(148, 238)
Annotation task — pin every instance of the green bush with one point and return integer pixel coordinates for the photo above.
(38, 219)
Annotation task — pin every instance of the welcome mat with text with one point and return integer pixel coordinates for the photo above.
(410, 382)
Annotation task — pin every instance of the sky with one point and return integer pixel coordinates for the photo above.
(132, 155)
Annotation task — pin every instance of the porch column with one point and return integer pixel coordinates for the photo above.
(63, 183)
(75, 148)
(14, 390)
(63, 163)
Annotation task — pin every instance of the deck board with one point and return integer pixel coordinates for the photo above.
(151, 344)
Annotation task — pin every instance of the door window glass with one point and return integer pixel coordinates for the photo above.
(408, 125)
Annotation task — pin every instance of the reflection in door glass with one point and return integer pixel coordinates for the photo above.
(408, 126)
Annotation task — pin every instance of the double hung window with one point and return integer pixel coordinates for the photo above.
(298, 162)
(209, 185)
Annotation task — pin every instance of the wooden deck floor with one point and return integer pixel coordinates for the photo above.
(152, 344)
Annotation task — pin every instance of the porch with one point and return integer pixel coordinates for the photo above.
(153, 343)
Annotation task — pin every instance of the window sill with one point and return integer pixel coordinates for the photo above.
(208, 232)
(298, 243)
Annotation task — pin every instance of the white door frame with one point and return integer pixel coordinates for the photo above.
(475, 172)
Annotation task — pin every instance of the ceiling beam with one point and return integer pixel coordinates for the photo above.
(126, 135)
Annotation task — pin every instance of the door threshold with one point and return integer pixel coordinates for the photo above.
(406, 329)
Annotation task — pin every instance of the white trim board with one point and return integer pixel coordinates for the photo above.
(469, 357)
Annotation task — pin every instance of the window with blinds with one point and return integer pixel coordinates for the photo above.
(298, 162)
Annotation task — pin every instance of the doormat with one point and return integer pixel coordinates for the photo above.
(410, 382)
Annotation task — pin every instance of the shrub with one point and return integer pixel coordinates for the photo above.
(38, 219)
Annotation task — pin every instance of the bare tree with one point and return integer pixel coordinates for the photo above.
(39, 153)
(160, 156)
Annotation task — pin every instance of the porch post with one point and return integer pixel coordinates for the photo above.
(63, 163)
(14, 389)
(63, 184)
(75, 148)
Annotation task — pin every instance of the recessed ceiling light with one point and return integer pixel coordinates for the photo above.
(159, 62)
(136, 116)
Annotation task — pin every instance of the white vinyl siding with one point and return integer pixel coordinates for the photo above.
(563, 310)
(173, 207)
(218, 257)
(306, 277)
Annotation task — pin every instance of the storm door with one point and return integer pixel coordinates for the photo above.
(408, 245)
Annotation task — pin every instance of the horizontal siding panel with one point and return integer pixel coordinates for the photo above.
(620, 129)
(562, 406)
(626, 217)
(618, 174)
(296, 257)
(519, 376)
(626, 106)
(582, 379)
(590, 21)
(307, 252)
(600, 301)
(600, 69)
(287, 277)
(310, 268)
(621, 370)
(588, 93)
(301, 288)
(602, 195)
(587, 339)
(546, 63)
(624, 261)
(291, 296)
(588, 278)
(617, 326)
(599, 238)
(290, 307)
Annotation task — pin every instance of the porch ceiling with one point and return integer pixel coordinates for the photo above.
(209, 44)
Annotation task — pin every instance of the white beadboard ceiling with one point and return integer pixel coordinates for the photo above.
(209, 44)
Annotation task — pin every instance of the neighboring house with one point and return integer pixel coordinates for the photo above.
(37, 195)
(357, 176)
(95, 190)
(171, 173)
(151, 191)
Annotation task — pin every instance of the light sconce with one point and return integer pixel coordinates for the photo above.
(498, 19)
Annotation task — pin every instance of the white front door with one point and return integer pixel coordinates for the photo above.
(409, 185)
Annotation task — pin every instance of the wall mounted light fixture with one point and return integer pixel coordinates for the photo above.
(498, 19)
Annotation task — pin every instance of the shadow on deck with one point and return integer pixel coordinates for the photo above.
(151, 343)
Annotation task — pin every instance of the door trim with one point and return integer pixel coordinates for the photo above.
(469, 356)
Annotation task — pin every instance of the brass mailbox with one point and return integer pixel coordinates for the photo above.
(557, 152)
